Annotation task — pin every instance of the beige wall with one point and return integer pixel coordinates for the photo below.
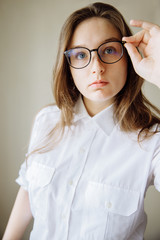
(29, 33)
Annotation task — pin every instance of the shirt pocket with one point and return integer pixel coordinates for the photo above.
(39, 177)
(112, 210)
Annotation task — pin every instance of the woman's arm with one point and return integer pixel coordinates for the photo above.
(20, 217)
(148, 42)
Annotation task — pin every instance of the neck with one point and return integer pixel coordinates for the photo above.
(94, 107)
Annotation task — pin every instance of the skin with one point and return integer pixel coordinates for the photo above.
(147, 40)
(20, 217)
(98, 82)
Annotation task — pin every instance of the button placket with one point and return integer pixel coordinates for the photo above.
(79, 165)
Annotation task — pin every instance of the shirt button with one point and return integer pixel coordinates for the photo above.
(82, 150)
(108, 205)
(63, 216)
(70, 182)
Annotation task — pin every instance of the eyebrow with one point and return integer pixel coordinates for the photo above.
(105, 41)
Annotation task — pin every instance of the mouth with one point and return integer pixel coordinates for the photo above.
(98, 83)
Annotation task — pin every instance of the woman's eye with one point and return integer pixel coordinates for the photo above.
(80, 55)
(110, 50)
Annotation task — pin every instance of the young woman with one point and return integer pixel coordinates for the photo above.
(93, 155)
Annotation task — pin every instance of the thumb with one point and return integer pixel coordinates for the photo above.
(134, 54)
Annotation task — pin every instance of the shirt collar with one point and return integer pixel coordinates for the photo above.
(104, 119)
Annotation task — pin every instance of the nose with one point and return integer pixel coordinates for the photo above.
(97, 64)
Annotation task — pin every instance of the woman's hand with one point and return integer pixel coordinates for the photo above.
(146, 64)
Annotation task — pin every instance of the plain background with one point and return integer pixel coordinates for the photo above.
(29, 32)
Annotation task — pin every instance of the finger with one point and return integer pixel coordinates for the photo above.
(133, 53)
(142, 24)
(142, 50)
(139, 37)
(133, 39)
(136, 39)
(128, 39)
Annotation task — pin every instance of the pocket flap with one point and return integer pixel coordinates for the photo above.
(117, 200)
(39, 174)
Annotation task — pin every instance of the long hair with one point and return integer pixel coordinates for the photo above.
(131, 109)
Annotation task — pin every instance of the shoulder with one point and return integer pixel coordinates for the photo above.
(50, 112)
(46, 119)
(44, 122)
(49, 115)
(149, 140)
(152, 141)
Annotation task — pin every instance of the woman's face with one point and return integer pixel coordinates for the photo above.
(98, 82)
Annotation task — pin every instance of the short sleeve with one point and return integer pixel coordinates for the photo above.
(21, 180)
(44, 122)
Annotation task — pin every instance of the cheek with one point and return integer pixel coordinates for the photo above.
(78, 76)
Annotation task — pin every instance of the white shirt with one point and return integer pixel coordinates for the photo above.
(92, 185)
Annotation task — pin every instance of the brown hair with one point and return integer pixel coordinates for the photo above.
(131, 108)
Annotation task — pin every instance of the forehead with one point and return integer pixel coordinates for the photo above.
(94, 31)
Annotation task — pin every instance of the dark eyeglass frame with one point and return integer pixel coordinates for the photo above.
(66, 53)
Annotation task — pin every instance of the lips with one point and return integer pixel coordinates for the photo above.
(99, 83)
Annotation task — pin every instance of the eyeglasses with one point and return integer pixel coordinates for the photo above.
(109, 53)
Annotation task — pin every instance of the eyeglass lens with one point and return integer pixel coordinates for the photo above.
(109, 52)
